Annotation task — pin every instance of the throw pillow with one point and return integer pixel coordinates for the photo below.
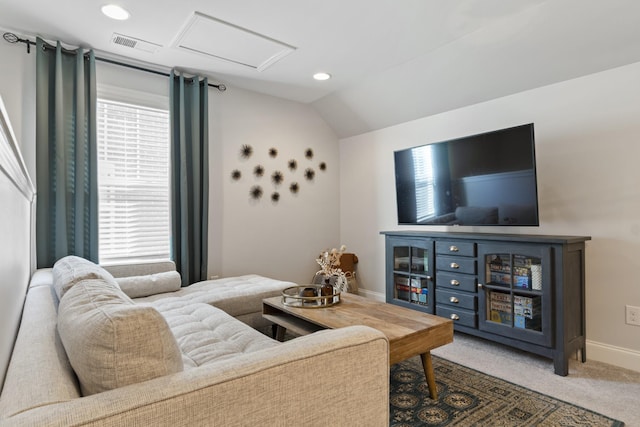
(111, 341)
(70, 270)
(151, 284)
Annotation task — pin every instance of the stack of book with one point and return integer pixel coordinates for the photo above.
(521, 272)
(502, 273)
(500, 308)
(526, 311)
(414, 289)
(499, 271)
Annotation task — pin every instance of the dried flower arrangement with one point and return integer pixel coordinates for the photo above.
(329, 261)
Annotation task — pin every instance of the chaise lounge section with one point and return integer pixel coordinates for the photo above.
(88, 354)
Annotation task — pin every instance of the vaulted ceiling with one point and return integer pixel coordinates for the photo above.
(391, 60)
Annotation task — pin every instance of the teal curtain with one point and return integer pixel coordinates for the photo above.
(66, 159)
(189, 176)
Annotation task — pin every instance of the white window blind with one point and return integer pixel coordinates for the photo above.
(133, 181)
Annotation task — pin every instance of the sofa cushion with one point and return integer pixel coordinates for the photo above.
(111, 341)
(72, 269)
(206, 334)
(151, 284)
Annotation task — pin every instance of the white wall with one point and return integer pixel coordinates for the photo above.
(274, 239)
(281, 239)
(587, 134)
(18, 90)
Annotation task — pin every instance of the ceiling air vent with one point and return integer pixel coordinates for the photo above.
(133, 43)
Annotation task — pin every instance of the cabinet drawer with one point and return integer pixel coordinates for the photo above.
(460, 316)
(463, 282)
(457, 264)
(456, 299)
(456, 248)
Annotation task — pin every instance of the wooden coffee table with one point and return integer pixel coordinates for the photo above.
(409, 332)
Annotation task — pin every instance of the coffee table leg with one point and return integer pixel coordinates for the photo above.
(279, 332)
(428, 373)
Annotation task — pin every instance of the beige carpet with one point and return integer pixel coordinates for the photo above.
(600, 387)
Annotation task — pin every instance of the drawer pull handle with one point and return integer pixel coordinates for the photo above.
(453, 248)
(454, 282)
(454, 300)
(479, 285)
(454, 265)
(455, 317)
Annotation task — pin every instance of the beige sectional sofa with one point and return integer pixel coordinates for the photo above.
(87, 353)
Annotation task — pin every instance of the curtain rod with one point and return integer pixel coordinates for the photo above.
(12, 38)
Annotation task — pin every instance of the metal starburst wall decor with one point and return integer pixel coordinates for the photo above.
(272, 166)
(246, 151)
(256, 192)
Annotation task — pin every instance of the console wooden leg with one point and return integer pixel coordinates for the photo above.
(428, 373)
(561, 364)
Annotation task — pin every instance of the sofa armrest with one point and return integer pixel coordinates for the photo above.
(332, 377)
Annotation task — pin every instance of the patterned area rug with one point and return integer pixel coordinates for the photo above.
(467, 397)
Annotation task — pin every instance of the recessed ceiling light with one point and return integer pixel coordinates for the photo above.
(322, 76)
(114, 11)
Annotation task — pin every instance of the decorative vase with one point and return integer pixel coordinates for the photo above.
(327, 290)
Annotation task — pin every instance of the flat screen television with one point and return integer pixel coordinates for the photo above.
(484, 179)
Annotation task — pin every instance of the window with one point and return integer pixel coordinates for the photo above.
(133, 182)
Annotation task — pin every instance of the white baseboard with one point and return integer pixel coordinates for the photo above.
(618, 356)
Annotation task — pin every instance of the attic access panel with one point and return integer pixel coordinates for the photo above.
(222, 40)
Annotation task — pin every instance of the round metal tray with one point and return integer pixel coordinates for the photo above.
(308, 296)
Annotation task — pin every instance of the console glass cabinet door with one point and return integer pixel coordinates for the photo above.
(513, 297)
(411, 275)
